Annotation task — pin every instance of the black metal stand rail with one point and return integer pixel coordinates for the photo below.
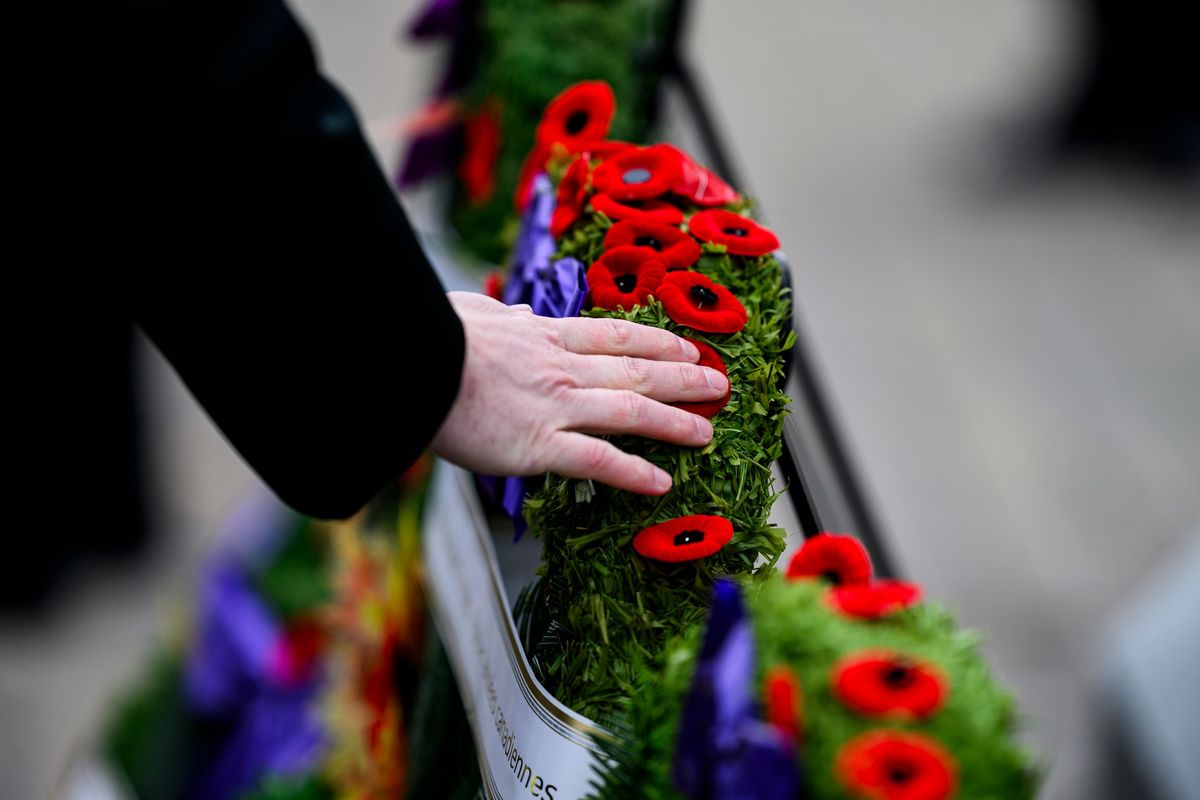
(673, 67)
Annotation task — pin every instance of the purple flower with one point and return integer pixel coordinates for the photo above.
(235, 645)
(724, 750)
(277, 733)
(239, 670)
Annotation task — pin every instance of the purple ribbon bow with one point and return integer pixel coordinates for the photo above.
(724, 750)
(552, 289)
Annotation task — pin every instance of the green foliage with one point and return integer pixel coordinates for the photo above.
(442, 762)
(296, 581)
(152, 738)
(529, 51)
(794, 627)
(601, 611)
(305, 787)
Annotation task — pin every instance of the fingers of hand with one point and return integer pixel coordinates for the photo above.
(667, 381)
(622, 411)
(585, 457)
(618, 337)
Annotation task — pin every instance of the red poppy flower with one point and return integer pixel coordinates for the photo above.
(493, 285)
(678, 250)
(890, 765)
(579, 115)
(639, 173)
(572, 193)
(708, 358)
(839, 559)
(881, 683)
(741, 236)
(784, 701)
(699, 185)
(481, 148)
(692, 299)
(684, 538)
(625, 277)
(656, 210)
(875, 600)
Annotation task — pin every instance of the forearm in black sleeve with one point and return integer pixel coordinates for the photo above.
(270, 262)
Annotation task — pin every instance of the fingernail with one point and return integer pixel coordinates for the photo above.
(703, 428)
(715, 379)
(690, 351)
(662, 481)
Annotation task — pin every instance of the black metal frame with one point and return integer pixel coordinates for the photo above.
(829, 448)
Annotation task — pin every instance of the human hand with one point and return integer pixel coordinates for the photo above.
(534, 387)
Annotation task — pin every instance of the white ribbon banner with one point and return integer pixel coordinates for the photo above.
(529, 744)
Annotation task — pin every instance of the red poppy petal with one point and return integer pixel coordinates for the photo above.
(534, 163)
(562, 219)
(882, 683)
(477, 169)
(700, 185)
(838, 558)
(875, 600)
(784, 701)
(891, 765)
(694, 300)
(678, 250)
(684, 538)
(493, 284)
(638, 174)
(616, 211)
(708, 358)
(579, 115)
(741, 235)
(605, 149)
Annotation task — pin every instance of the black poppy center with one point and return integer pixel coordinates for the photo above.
(577, 121)
(636, 175)
(833, 576)
(626, 283)
(703, 296)
(688, 537)
(736, 232)
(900, 773)
(898, 676)
(648, 241)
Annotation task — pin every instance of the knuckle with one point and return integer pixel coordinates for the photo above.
(619, 333)
(555, 335)
(637, 372)
(629, 407)
(690, 377)
(596, 457)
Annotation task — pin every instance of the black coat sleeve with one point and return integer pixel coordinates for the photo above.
(225, 186)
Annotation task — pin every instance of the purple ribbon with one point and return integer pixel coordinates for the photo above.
(552, 289)
(535, 246)
(724, 750)
(437, 151)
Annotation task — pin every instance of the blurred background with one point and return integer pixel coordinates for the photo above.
(997, 263)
